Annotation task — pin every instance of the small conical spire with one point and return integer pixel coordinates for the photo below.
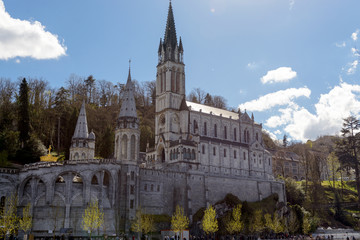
(81, 129)
(181, 49)
(170, 31)
(160, 46)
(128, 106)
(129, 76)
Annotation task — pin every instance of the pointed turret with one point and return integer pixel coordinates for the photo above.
(127, 133)
(181, 49)
(82, 143)
(128, 106)
(81, 129)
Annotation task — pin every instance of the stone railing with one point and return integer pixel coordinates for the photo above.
(9, 170)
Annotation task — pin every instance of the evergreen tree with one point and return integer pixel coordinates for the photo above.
(285, 141)
(23, 111)
(347, 149)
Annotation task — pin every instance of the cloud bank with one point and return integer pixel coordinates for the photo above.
(340, 102)
(282, 74)
(279, 98)
(22, 38)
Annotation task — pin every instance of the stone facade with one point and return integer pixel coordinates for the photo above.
(201, 154)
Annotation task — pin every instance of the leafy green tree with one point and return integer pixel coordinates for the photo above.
(179, 221)
(210, 223)
(293, 224)
(333, 167)
(93, 217)
(256, 223)
(25, 222)
(306, 223)
(148, 224)
(137, 222)
(294, 192)
(9, 220)
(235, 225)
(274, 223)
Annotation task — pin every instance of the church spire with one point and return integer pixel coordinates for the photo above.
(81, 129)
(170, 39)
(169, 49)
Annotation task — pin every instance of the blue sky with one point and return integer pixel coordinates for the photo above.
(293, 63)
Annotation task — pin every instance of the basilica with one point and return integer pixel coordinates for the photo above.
(201, 153)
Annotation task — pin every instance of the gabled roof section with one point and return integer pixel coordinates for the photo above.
(81, 129)
(170, 30)
(197, 107)
(128, 106)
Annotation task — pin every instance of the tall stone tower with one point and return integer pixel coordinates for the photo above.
(127, 133)
(82, 143)
(170, 122)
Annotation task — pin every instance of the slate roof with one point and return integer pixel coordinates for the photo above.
(128, 106)
(81, 129)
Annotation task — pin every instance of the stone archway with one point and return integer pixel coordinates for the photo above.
(161, 154)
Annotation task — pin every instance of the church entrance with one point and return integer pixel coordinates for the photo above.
(161, 154)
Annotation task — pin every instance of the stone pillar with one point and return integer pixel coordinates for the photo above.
(67, 216)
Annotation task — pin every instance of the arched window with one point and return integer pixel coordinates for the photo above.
(193, 154)
(234, 154)
(257, 137)
(124, 143)
(161, 81)
(205, 129)
(132, 146)
(214, 151)
(171, 155)
(215, 130)
(247, 136)
(203, 149)
(225, 132)
(244, 156)
(224, 152)
(195, 126)
(173, 80)
(177, 81)
(234, 134)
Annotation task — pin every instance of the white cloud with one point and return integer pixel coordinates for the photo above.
(22, 38)
(355, 34)
(251, 65)
(291, 4)
(17, 60)
(277, 132)
(355, 52)
(340, 102)
(340, 45)
(353, 66)
(282, 74)
(279, 98)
